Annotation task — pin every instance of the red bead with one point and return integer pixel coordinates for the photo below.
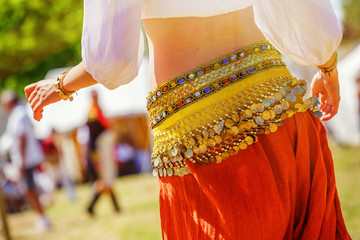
(207, 69)
(179, 103)
(225, 80)
(248, 51)
(165, 89)
(267, 64)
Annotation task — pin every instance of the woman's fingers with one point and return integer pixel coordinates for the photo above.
(41, 94)
(29, 89)
(326, 88)
(38, 109)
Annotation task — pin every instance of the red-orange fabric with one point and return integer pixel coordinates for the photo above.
(282, 187)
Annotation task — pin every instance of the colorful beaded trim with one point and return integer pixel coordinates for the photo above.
(212, 133)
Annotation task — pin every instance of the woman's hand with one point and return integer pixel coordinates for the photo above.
(41, 94)
(326, 88)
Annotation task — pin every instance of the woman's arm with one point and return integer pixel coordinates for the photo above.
(43, 93)
(325, 85)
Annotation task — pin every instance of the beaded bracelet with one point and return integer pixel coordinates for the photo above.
(64, 94)
(331, 67)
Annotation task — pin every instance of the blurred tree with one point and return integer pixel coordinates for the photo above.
(351, 19)
(37, 35)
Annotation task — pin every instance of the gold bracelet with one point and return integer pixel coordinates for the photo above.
(331, 67)
(64, 94)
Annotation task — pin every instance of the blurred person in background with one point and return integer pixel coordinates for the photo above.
(101, 147)
(107, 170)
(96, 124)
(25, 153)
(238, 151)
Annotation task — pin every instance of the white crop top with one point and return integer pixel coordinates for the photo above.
(307, 31)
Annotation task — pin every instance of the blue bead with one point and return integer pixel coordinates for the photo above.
(251, 69)
(207, 89)
(225, 61)
(149, 101)
(234, 77)
(262, 47)
(243, 73)
(197, 94)
(181, 80)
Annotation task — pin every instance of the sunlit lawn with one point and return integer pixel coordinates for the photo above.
(139, 219)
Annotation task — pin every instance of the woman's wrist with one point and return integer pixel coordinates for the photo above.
(64, 93)
(78, 78)
(330, 65)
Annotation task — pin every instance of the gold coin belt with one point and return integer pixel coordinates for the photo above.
(213, 133)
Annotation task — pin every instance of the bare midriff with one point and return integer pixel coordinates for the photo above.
(179, 45)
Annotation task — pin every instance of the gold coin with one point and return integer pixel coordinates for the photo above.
(242, 126)
(196, 150)
(285, 105)
(254, 108)
(273, 127)
(242, 145)
(277, 96)
(249, 125)
(290, 112)
(248, 113)
(202, 148)
(212, 142)
(211, 132)
(235, 117)
(229, 132)
(218, 139)
(235, 130)
(284, 116)
(229, 123)
(272, 114)
(249, 140)
(205, 134)
(305, 107)
(266, 115)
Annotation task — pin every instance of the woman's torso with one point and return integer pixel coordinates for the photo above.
(178, 45)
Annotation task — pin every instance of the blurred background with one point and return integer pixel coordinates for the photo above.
(40, 39)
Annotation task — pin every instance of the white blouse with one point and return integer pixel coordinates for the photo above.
(307, 31)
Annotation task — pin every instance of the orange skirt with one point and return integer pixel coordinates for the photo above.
(240, 155)
(282, 187)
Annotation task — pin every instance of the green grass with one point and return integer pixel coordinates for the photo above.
(139, 219)
(347, 173)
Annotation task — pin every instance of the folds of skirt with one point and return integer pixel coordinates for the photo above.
(282, 187)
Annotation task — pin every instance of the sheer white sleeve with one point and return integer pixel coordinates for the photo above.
(112, 42)
(308, 31)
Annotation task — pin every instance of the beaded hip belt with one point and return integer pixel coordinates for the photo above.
(208, 114)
